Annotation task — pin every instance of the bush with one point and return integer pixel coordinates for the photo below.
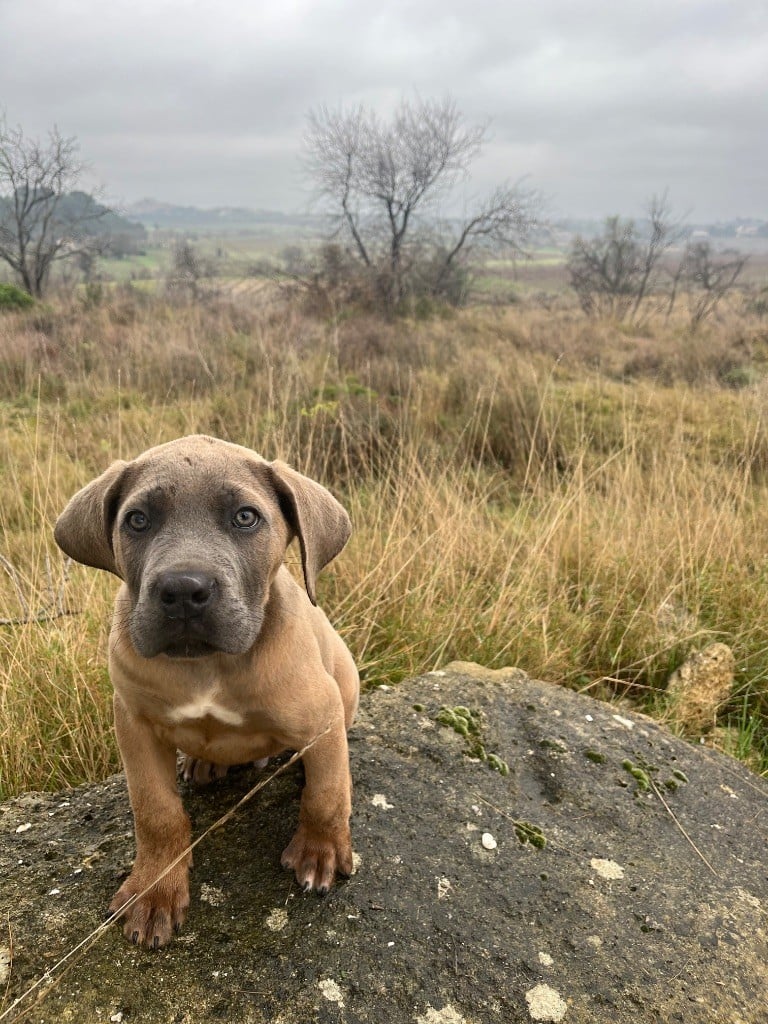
(13, 297)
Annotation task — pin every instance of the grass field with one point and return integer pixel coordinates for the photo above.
(527, 488)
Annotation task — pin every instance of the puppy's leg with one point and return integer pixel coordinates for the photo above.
(322, 844)
(162, 833)
(347, 679)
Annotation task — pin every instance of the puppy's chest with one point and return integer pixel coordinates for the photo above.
(205, 713)
(206, 725)
(201, 707)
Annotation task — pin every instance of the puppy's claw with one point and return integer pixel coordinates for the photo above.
(151, 920)
(316, 855)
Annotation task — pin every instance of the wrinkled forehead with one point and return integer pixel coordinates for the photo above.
(197, 472)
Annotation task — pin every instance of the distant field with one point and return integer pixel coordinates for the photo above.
(237, 255)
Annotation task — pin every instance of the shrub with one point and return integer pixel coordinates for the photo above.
(13, 297)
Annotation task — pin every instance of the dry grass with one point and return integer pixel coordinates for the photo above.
(509, 507)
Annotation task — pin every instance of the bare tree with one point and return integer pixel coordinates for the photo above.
(663, 234)
(503, 222)
(43, 218)
(381, 183)
(708, 277)
(616, 273)
(606, 272)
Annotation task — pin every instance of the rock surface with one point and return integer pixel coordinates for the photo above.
(629, 880)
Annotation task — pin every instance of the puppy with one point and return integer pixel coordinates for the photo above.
(216, 650)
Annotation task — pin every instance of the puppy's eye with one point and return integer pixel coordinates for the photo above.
(246, 518)
(137, 522)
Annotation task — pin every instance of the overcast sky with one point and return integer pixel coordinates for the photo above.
(600, 104)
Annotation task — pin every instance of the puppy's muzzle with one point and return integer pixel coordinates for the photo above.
(185, 616)
(185, 595)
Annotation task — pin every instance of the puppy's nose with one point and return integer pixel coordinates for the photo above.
(185, 595)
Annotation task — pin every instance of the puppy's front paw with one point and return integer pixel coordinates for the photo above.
(316, 855)
(154, 917)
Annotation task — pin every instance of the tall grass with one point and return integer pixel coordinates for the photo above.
(509, 508)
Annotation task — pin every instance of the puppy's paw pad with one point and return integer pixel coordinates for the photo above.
(317, 856)
(201, 773)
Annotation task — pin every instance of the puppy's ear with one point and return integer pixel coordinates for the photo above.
(318, 520)
(84, 529)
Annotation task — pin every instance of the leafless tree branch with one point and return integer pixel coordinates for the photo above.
(380, 181)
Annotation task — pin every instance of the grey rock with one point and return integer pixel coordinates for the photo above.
(646, 903)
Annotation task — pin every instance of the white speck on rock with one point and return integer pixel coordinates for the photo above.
(210, 894)
(607, 868)
(5, 964)
(445, 1016)
(545, 960)
(277, 919)
(331, 991)
(748, 898)
(444, 887)
(24, 828)
(589, 718)
(489, 843)
(357, 860)
(117, 1018)
(54, 892)
(624, 721)
(545, 1004)
(379, 800)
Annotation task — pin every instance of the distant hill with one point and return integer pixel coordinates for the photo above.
(79, 215)
(92, 217)
(156, 214)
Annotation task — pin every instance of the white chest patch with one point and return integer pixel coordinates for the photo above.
(204, 707)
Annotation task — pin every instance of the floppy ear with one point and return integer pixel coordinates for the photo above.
(84, 529)
(318, 520)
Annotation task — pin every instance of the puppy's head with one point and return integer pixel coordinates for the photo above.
(197, 529)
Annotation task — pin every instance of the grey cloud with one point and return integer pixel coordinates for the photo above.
(206, 102)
